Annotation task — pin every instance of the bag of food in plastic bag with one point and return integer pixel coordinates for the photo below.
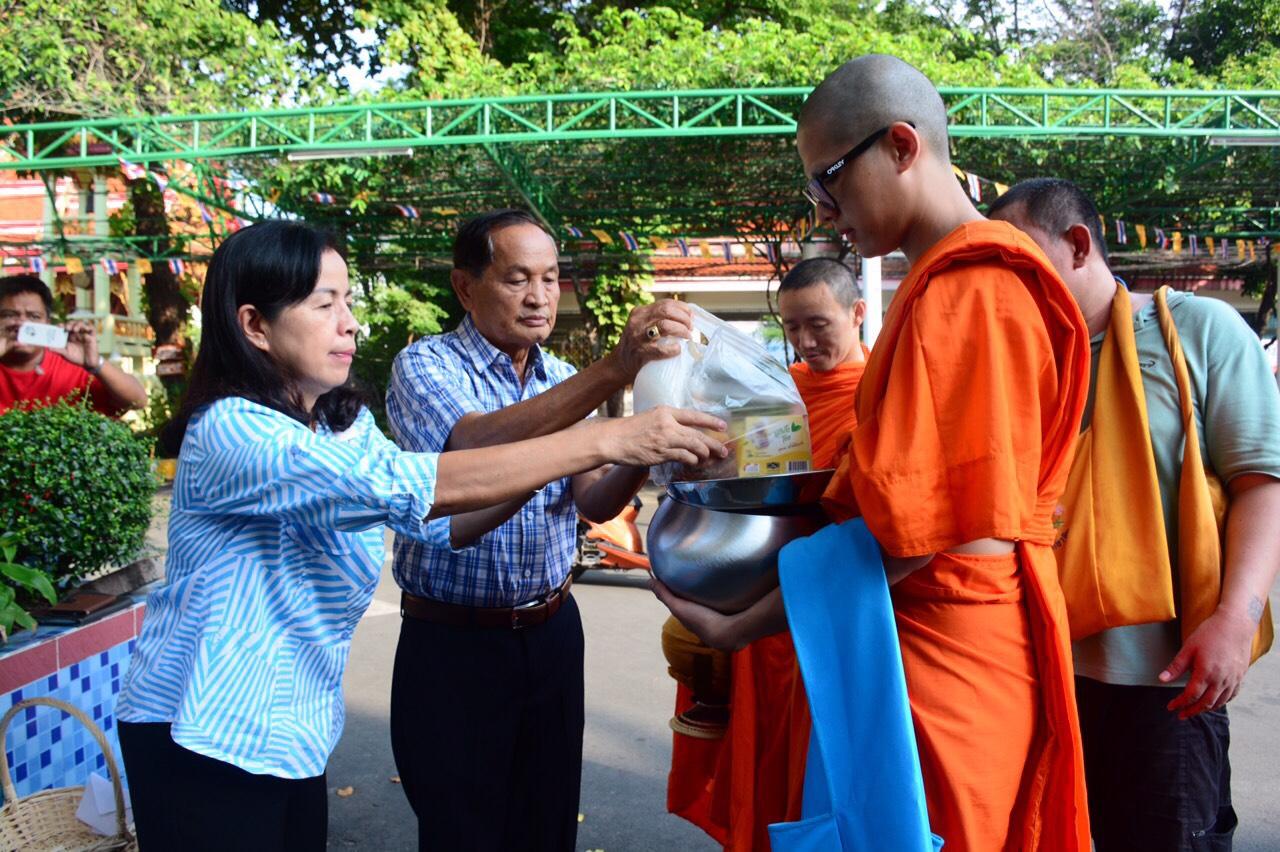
(733, 377)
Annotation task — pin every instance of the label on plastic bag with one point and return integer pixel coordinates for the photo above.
(774, 444)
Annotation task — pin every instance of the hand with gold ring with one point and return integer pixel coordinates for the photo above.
(650, 334)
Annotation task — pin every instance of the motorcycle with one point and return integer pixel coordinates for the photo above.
(616, 543)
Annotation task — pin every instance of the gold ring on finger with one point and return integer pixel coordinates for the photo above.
(652, 332)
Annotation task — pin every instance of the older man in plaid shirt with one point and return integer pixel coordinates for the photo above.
(487, 697)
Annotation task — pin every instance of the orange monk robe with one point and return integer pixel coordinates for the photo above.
(734, 788)
(967, 419)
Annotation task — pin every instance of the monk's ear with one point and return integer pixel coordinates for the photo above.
(859, 313)
(1081, 241)
(905, 142)
(463, 287)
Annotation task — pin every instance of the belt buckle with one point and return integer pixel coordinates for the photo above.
(524, 607)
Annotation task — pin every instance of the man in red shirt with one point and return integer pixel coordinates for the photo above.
(44, 376)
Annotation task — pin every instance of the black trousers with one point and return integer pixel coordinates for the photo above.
(186, 802)
(1156, 783)
(486, 727)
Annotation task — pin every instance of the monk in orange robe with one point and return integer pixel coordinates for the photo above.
(967, 418)
(734, 788)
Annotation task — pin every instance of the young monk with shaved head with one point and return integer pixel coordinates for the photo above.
(967, 419)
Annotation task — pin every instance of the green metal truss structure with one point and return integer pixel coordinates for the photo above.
(716, 162)
(981, 112)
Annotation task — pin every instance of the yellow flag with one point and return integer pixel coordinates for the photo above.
(1240, 248)
(1177, 242)
(602, 237)
(705, 248)
(143, 265)
(444, 211)
(1001, 189)
(1253, 252)
(1142, 234)
(1102, 223)
(74, 266)
(959, 172)
(1208, 241)
(658, 242)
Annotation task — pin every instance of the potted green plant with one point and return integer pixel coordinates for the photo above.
(76, 496)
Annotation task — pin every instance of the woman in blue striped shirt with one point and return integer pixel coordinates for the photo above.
(233, 699)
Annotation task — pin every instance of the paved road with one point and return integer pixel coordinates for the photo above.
(628, 745)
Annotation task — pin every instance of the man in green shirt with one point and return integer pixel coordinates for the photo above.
(1152, 701)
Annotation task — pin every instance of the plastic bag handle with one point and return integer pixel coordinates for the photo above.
(707, 323)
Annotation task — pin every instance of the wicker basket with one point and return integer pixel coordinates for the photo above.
(46, 821)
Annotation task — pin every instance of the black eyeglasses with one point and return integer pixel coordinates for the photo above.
(816, 189)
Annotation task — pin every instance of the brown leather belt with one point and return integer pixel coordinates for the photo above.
(537, 611)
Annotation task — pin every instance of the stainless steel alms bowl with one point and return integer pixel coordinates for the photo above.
(728, 560)
(780, 493)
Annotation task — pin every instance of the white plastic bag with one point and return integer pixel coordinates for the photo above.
(735, 378)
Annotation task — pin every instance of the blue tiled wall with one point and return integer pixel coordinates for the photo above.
(46, 748)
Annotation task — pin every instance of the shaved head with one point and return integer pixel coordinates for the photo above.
(874, 91)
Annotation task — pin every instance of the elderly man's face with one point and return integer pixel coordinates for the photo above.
(513, 303)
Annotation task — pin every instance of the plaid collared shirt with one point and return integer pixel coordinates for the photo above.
(434, 382)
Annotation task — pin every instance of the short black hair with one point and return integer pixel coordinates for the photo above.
(823, 270)
(473, 246)
(1054, 205)
(12, 285)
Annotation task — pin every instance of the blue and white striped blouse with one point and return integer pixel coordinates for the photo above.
(275, 547)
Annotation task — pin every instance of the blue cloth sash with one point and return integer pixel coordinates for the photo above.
(862, 789)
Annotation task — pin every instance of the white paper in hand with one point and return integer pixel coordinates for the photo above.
(40, 334)
(98, 807)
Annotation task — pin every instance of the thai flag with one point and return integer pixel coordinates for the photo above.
(323, 198)
(629, 241)
(1122, 236)
(1195, 244)
(131, 171)
(176, 266)
(728, 252)
(975, 189)
(1160, 240)
(161, 181)
(407, 211)
(204, 213)
(684, 246)
(110, 266)
(38, 265)
(573, 232)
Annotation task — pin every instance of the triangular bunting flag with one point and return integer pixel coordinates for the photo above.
(131, 171)
(975, 189)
